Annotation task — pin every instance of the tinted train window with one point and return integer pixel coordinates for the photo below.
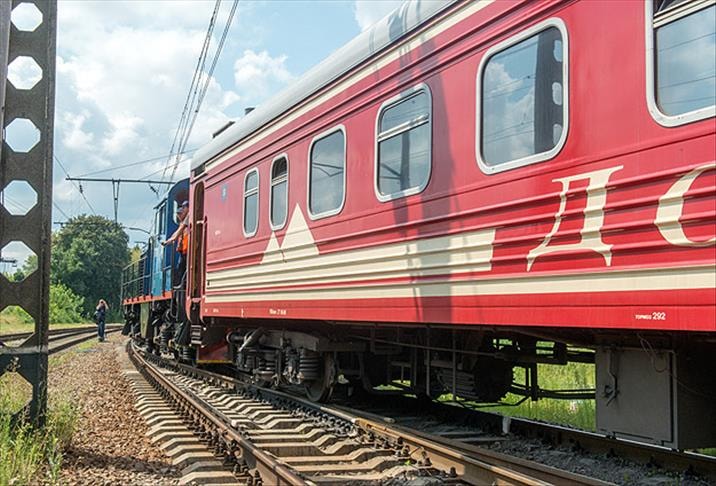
(523, 99)
(251, 202)
(684, 56)
(279, 192)
(404, 140)
(327, 175)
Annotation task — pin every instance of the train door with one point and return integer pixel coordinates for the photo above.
(198, 230)
(158, 250)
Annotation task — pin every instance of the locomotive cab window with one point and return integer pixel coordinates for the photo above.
(523, 98)
(327, 174)
(404, 144)
(251, 202)
(681, 60)
(279, 192)
(161, 219)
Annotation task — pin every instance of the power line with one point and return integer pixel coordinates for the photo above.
(207, 80)
(57, 206)
(139, 162)
(115, 186)
(174, 165)
(189, 102)
(79, 188)
(12, 206)
(147, 208)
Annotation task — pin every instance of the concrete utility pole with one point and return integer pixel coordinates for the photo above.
(35, 104)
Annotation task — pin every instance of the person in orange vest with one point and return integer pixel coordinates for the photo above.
(181, 237)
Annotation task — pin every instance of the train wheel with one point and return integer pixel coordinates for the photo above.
(320, 390)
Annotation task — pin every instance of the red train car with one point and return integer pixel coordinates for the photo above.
(471, 187)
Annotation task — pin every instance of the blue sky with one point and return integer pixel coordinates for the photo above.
(124, 68)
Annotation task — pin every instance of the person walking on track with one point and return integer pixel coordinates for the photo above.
(100, 314)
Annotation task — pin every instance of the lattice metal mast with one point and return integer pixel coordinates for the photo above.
(34, 167)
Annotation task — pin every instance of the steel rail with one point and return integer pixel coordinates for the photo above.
(471, 464)
(271, 471)
(442, 447)
(654, 455)
(642, 453)
(54, 333)
(90, 334)
(668, 459)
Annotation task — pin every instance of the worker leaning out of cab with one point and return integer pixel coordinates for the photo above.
(181, 237)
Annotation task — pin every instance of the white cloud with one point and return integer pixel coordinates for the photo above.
(123, 72)
(125, 132)
(134, 79)
(256, 73)
(24, 72)
(368, 12)
(75, 137)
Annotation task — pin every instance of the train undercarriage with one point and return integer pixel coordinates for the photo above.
(473, 367)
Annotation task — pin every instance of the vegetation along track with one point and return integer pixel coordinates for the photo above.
(59, 339)
(287, 440)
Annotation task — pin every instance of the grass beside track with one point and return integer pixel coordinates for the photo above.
(17, 327)
(15, 320)
(574, 413)
(32, 455)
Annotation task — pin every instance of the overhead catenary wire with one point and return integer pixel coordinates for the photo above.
(195, 95)
(57, 206)
(132, 164)
(193, 87)
(79, 188)
(148, 207)
(174, 166)
(13, 206)
(207, 80)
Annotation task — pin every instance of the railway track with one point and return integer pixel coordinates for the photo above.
(286, 440)
(60, 339)
(465, 428)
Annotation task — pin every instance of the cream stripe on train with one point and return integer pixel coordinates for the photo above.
(297, 260)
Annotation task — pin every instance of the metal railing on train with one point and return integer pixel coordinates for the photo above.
(137, 278)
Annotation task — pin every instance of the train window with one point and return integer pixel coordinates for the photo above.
(251, 202)
(681, 60)
(279, 192)
(404, 144)
(162, 219)
(522, 98)
(327, 174)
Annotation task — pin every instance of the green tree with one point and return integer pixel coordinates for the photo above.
(65, 305)
(18, 276)
(29, 265)
(136, 253)
(88, 255)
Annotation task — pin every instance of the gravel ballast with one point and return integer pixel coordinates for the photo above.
(110, 446)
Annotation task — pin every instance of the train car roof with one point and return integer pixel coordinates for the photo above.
(385, 32)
